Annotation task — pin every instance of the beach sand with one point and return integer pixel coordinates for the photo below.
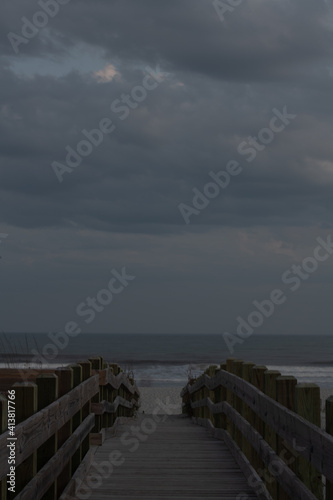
(167, 400)
(152, 397)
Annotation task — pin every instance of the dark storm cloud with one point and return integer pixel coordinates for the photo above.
(121, 203)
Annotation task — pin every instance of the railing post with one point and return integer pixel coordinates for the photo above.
(47, 390)
(96, 365)
(65, 385)
(257, 379)
(210, 395)
(329, 430)
(307, 405)
(109, 396)
(238, 370)
(247, 413)
(3, 428)
(270, 377)
(86, 373)
(77, 419)
(230, 399)
(26, 405)
(285, 394)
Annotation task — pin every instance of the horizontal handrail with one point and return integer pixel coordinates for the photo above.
(106, 407)
(316, 445)
(40, 484)
(35, 430)
(290, 482)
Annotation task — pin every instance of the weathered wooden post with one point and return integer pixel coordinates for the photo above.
(237, 369)
(307, 405)
(26, 405)
(210, 395)
(65, 385)
(230, 399)
(247, 413)
(96, 365)
(47, 385)
(285, 394)
(77, 418)
(223, 397)
(3, 428)
(86, 373)
(329, 430)
(257, 379)
(270, 377)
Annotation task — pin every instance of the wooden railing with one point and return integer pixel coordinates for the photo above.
(60, 417)
(271, 424)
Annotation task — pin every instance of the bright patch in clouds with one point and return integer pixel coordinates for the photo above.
(106, 74)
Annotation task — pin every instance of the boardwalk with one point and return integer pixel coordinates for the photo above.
(178, 460)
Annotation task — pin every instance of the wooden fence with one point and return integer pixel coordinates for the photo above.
(60, 417)
(271, 424)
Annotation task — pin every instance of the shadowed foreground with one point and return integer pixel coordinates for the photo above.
(177, 460)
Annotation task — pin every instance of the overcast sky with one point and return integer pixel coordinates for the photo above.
(181, 88)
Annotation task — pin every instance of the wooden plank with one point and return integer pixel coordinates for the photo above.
(316, 445)
(307, 404)
(46, 476)
(35, 430)
(178, 460)
(285, 395)
(77, 418)
(105, 406)
(26, 405)
(80, 473)
(270, 377)
(253, 479)
(47, 390)
(65, 385)
(86, 373)
(247, 413)
(257, 379)
(237, 369)
(230, 398)
(97, 438)
(329, 430)
(291, 483)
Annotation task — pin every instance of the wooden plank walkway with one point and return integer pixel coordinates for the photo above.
(178, 460)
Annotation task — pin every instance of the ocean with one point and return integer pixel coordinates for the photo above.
(166, 360)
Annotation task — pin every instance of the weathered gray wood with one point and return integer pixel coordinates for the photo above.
(47, 385)
(316, 444)
(177, 460)
(86, 373)
(270, 377)
(77, 418)
(65, 382)
(307, 404)
(105, 406)
(329, 430)
(46, 476)
(291, 484)
(36, 429)
(26, 405)
(78, 475)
